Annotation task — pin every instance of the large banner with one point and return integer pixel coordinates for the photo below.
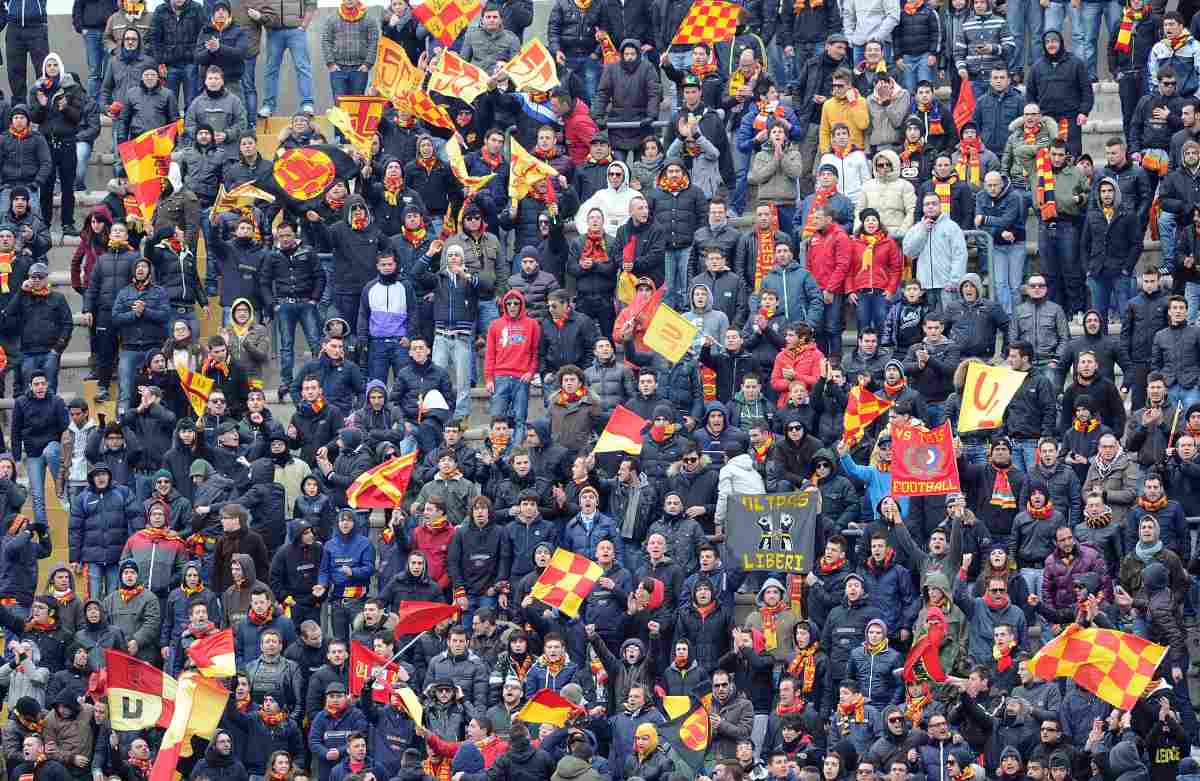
(772, 532)
(986, 394)
(923, 462)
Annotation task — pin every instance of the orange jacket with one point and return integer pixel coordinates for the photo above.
(806, 363)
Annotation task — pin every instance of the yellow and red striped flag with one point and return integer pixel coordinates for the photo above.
(622, 433)
(199, 705)
(1115, 666)
(383, 485)
(533, 69)
(445, 19)
(425, 109)
(471, 184)
(862, 408)
(567, 581)
(147, 159)
(709, 21)
(546, 707)
(140, 696)
(196, 386)
(214, 655)
(451, 75)
(524, 170)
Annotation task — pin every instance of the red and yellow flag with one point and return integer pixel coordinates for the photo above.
(414, 617)
(383, 485)
(709, 21)
(421, 106)
(394, 72)
(1115, 666)
(199, 705)
(140, 696)
(147, 159)
(862, 408)
(546, 707)
(214, 655)
(445, 19)
(567, 581)
(471, 184)
(365, 113)
(196, 386)
(670, 334)
(533, 69)
(451, 75)
(524, 170)
(363, 662)
(964, 109)
(608, 52)
(622, 434)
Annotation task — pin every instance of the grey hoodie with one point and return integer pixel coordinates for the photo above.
(711, 322)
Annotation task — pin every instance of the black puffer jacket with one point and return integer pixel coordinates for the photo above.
(202, 169)
(709, 636)
(919, 33)
(611, 381)
(572, 30)
(816, 78)
(266, 502)
(627, 93)
(1059, 84)
(356, 250)
(51, 122)
(1177, 355)
(91, 14)
(146, 109)
(173, 33)
(176, 272)
(112, 271)
(24, 161)
(679, 214)
(631, 19)
(230, 55)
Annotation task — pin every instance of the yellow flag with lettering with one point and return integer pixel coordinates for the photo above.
(670, 334)
(471, 184)
(986, 394)
(524, 170)
(452, 75)
(394, 72)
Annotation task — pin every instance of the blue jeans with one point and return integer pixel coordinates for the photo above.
(1024, 454)
(35, 467)
(588, 69)
(83, 156)
(97, 60)
(1166, 233)
(293, 40)
(455, 354)
(741, 166)
(386, 354)
(102, 578)
(326, 269)
(183, 78)
(871, 311)
(129, 363)
(677, 275)
(488, 312)
(1053, 18)
(787, 217)
(1191, 292)
(47, 362)
(250, 88)
(348, 82)
(1008, 266)
(1025, 16)
(473, 605)
(1103, 289)
(511, 399)
(1063, 269)
(680, 61)
(833, 324)
(1085, 29)
(1188, 396)
(975, 452)
(917, 69)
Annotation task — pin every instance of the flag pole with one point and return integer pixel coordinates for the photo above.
(1174, 423)
(406, 647)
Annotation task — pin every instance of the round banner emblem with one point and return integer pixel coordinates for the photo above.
(924, 462)
(304, 173)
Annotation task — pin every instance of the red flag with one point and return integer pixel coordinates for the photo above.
(925, 651)
(363, 662)
(923, 462)
(214, 655)
(416, 617)
(964, 109)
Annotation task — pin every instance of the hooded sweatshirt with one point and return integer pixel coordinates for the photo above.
(512, 342)
(613, 201)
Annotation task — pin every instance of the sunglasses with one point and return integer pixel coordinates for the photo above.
(692, 460)
(997, 591)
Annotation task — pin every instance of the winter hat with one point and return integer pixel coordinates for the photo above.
(549, 547)
(828, 168)
(1084, 401)
(22, 109)
(663, 411)
(529, 251)
(898, 366)
(163, 474)
(880, 621)
(1010, 751)
(129, 564)
(200, 468)
(572, 693)
(861, 582)
(869, 212)
(1059, 759)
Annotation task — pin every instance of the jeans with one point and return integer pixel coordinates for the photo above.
(102, 578)
(871, 311)
(83, 156)
(97, 60)
(1177, 393)
(1103, 289)
(1059, 247)
(326, 269)
(1191, 292)
(587, 68)
(936, 413)
(1024, 454)
(677, 274)
(1166, 233)
(975, 452)
(829, 337)
(183, 78)
(47, 362)
(288, 314)
(1025, 16)
(454, 354)
(680, 61)
(787, 216)
(1053, 18)
(347, 309)
(347, 82)
(294, 40)
(917, 69)
(488, 312)
(741, 167)
(511, 399)
(385, 354)
(1008, 266)
(35, 467)
(250, 89)
(783, 69)
(129, 362)
(1085, 29)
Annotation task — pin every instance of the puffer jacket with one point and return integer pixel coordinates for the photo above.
(1059, 577)
(679, 214)
(230, 55)
(1042, 324)
(572, 30)
(100, 521)
(51, 122)
(148, 329)
(844, 630)
(139, 618)
(918, 33)
(611, 382)
(20, 553)
(874, 673)
(890, 195)
(146, 109)
(994, 113)
(26, 161)
(173, 32)
(112, 272)
(1176, 354)
(709, 636)
(1059, 84)
(627, 96)
(202, 168)
(776, 178)
(991, 29)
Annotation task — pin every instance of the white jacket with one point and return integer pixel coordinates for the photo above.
(894, 198)
(940, 253)
(737, 476)
(614, 204)
(853, 171)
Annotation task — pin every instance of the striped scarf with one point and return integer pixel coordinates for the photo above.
(1179, 41)
(969, 168)
(1002, 492)
(799, 6)
(942, 188)
(1044, 193)
(868, 256)
(804, 668)
(766, 256)
(770, 626)
(820, 198)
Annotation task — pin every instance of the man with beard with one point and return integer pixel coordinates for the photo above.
(1148, 431)
(1095, 339)
(1061, 482)
(1089, 379)
(1172, 523)
(1142, 318)
(865, 365)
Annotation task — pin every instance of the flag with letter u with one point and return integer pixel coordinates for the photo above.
(709, 21)
(214, 655)
(567, 581)
(987, 391)
(622, 434)
(862, 408)
(140, 696)
(197, 387)
(383, 485)
(533, 69)
(670, 334)
(147, 159)
(1115, 666)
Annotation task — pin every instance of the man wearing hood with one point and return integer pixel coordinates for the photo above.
(1093, 358)
(294, 572)
(176, 612)
(705, 624)
(511, 360)
(977, 321)
(212, 491)
(135, 611)
(347, 566)
(1060, 84)
(635, 714)
(69, 729)
(1111, 246)
(220, 761)
(737, 475)
(892, 196)
(140, 314)
(100, 519)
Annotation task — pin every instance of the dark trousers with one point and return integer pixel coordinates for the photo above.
(1131, 86)
(1135, 380)
(62, 168)
(600, 309)
(32, 42)
(106, 353)
(1074, 135)
(1059, 245)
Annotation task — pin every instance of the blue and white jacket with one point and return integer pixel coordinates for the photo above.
(386, 310)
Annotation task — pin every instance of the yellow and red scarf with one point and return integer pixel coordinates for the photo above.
(910, 150)
(20, 135)
(739, 79)
(969, 167)
(1085, 428)
(391, 188)
(766, 257)
(353, 12)
(914, 707)
(1129, 20)
(804, 668)
(1003, 656)
(770, 625)
(210, 364)
(820, 198)
(799, 6)
(564, 398)
(762, 451)
(1002, 492)
(766, 112)
(912, 6)
(700, 71)
(666, 184)
(260, 619)
(593, 247)
(943, 189)
(853, 712)
(6, 259)
(1044, 514)
(1044, 193)
(49, 625)
(828, 565)
(414, 237)
(1152, 506)
(868, 255)
(272, 719)
(128, 594)
(1179, 41)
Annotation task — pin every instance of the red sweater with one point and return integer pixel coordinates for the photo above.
(512, 343)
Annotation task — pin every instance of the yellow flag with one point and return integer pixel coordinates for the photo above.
(986, 394)
(412, 704)
(240, 197)
(472, 184)
(147, 159)
(394, 72)
(533, 69)
(524, 170)
(338, 117)
(452, 75)
(197, 387)
(670, 334)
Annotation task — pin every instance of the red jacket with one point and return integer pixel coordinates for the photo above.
(436, 546)
(578, 129)
(512, 343)
(886, 264)
(828, 258)
(806, 364)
